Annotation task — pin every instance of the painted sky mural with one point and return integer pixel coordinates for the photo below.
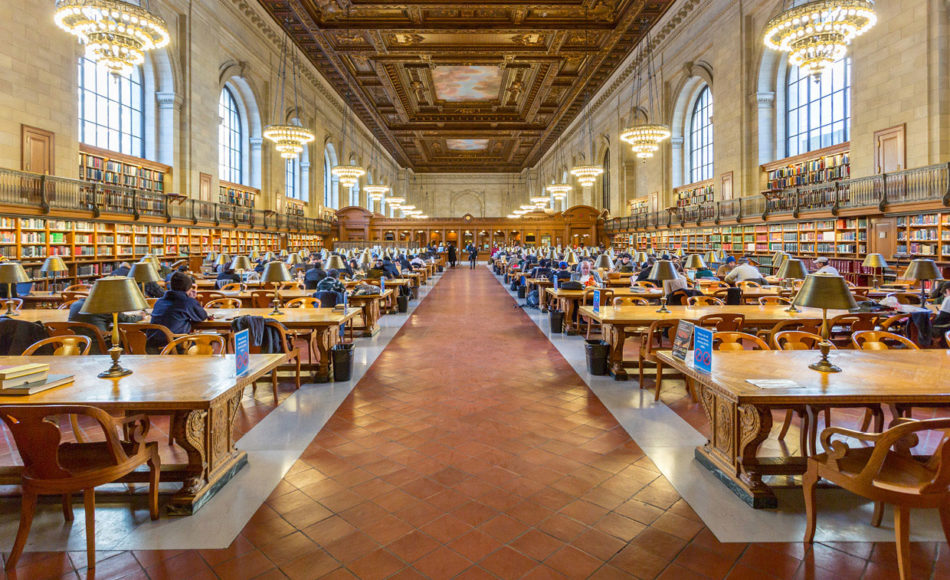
(467, 83)
(466, 144)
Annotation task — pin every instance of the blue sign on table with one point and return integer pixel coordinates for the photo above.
(556, 280)
(702, 348)
(596, 300)
(242, 344)
(382, 285)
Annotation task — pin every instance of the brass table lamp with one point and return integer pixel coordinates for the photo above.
(294, 259)
(336, 262)
(269, 257)
(875, 262)
(663, 270)
(923, 270)
(241, 264)
(571, 258)
(210, 257)
(222, 260)
(112, 295)
(711, 257)
(52, 266)
(276, 272)
(694, 262)
(604, 262)
(825, 291)
(143, 273)
(283, 253)
(254, 256)
(792, 269)
(12, 273)
(366, 261)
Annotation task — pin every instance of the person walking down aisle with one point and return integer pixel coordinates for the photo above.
(472, 256)
(452, 255)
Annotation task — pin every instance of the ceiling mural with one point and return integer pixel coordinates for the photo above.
(436, 81)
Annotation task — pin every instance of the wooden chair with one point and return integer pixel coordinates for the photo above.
(84, 288)
(135, 336)
(606, 297)
(711, 286)
(287, 347)
(645, 284)
(72, 296)
(725, 322)
(796, 340)
(52, 467)
(234, 287)
(262, 298)
(748, 285)
(736, 341)
(205, 296)
(196, 344)
(290, 285)
(66, 304)
(893, 323)
(774, 301)
(650, 344)
(909, 298)
(630, 301)
(62, 345)
(703, 301)
(812, 325)
(83, 328)
(946, 338)
(880, 340)
(885, 473)
(151, 302)
(17, 304)
(223, 303)
(841, 327)
(302, 302)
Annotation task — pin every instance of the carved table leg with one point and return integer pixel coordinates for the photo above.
(755, 424)
(323, 337)
(615, 337)
(568, 307)
(190, 429)
(370, 317)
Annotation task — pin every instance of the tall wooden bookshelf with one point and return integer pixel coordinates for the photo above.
(110, 168)
(238, 195)
(815, 167)
(695, 193)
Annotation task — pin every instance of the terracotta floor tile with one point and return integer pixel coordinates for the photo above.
(598, 544)
(313, 565)
(247, 565)
(446, 528)
(573, 563)
(376, 565)
(507, 563)
(442, 563)
(185, 565)
(537, 545)
(503, 528)
(475, 545)
(412, 546)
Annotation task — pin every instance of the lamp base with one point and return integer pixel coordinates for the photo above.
(116, 370)
(276, 309)
(792, 308)
(664, 309)
(10, 311)
(824, 365)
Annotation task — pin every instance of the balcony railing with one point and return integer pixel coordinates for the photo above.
(919, 185)
(47, 192)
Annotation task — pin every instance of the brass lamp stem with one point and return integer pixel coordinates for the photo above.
(10, 311)
(663, 307)
(276, 309)
(115, 352)
(824, 365)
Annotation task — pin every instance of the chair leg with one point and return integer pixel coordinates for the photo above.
(866, 420)
(27, 510)
(786, 424)
(878, 514)
(68, 507)
(154, 471)
(809, 481)
(273, 381)
(298, 370)
(659, 380)
(902, 537)
(89, 501)
(77, 432)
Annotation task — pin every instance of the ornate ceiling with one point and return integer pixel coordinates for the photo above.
(470, 85)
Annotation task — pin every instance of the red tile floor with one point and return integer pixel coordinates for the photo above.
(471, 449)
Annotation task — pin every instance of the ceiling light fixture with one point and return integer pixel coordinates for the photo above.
(587, 175)
(349, 175)
(289, 139)
(645, 138)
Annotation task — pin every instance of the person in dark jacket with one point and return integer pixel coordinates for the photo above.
(314, 275)
(331, 283)
(122, 270)
(390, 268)
(562, 273)
(227, 276)
(178, 309)
(644, 274)
(472, 256)
(377, 271)
(404, 263)
(452, 255)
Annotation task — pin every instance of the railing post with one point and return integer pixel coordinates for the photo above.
(44, 201)
(739, 210)
(217, 222)
(194, 215)
(798, 202)
(135, 205)
(718, 213)
(168, 213)
(882, 204)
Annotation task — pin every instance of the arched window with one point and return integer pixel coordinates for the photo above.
(605, 182)
(230, 138)
(329, 182)
(110, 109)
(291, 175)
(701, 137)
(818, 114)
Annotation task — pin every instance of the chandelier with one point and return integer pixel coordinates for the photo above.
(817, 33)
(288, 139)
(559, 191)
(116, 34)
(348, 175)
(513, 216)
(587, 175)
(540, 200)
(645, 139)
(376, 192)
(396, 201)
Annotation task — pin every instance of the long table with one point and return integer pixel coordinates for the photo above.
(615, 321)
(202, 394)
(740, 414)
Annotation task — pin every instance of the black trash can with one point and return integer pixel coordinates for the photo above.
(521, 291)
(402, 303)
(441, 269)
(342, 355)
(597, 351)
(557, 321)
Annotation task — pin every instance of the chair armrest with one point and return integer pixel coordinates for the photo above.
(138, 426)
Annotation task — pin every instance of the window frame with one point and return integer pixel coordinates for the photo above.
(825, 107)
(701, 138)
(131, 125)
(230, 157)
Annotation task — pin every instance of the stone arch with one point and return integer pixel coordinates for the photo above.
(698, 76)
(231, 76)
(468, 201)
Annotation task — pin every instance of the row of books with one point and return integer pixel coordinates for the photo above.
(27, 379)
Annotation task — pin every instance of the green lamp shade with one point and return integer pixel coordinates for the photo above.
(874, 261)
(336, 262)
(640, 258)
(13, 273)
(269, 257)
(143, 272)
(275, 272)
(294, 259)
(792, 269)
(604, 262)
(663, 270)
(922, 269)
(222, 260)
(53, 264)
(825, 291)
(241, 263)
(694, 262)
(711, 257)
(114, 294)
(255, 255)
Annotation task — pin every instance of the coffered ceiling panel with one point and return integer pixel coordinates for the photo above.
(471, 85)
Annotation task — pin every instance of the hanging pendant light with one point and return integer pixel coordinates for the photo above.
(116, 34)
(587, 175)
(645, 138)
(376, 192)
(558, 190)
(348, 175)
(817, 33)
(288, 139)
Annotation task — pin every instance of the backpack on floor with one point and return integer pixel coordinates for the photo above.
(532, 300)
(514, 285)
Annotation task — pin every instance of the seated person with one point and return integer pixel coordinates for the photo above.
(377, 271)
(331, 283)
(181, 269)
(417, 262)
(644, 274)
(543, 270)
(122, 270)
(562, 273)
(586, 276)
(390, 268)
(745, 272)
(941, 323)
(624, 266)
(404, 264)
(177, 310)
(226, 276)
(824, 268)
(314, 275)
(704, 272)
(101, 321)
(726, 267)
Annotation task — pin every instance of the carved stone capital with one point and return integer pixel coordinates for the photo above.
(677, 142)
(169, 100)
(256, 143)
(765, 100)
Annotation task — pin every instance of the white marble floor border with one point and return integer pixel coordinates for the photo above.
(273, 445)
(669, 442)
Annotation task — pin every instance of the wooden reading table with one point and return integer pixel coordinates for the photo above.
(202, 394)
(740, 414)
